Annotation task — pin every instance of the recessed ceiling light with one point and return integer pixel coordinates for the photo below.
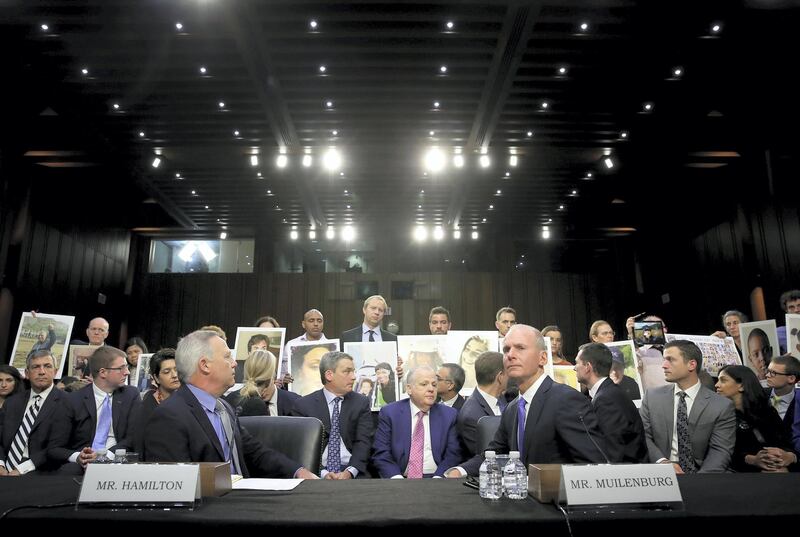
(253, 160)
(281, 161)
(498, 192)
(313, 24)
(443, 69)
(322, 69)
(545, 104)
(44, 27)
(335, 133)
(436, 104)
(419, 206)
(203, 70)
(293, 234)
(562, 70)
(141, 134)
(116, 106)
(608, 162)
(677, 72)
(269, 192)
(431, 133)
(529, 134)
(194, 192)
(716, 28)
(223, 236)
(341, 174)
(156, 162)
(584, 26)
(450, 25)
(458, 161)
(307, 161)
(177, 176)
(560, 207)
(623, 134)
(457, 234)
(221, 104)
(484, 161)
(258, 174)
(178, 26)
(329, 104)
(474, 236)
(648, 106)
(348, 206)
(508, 174)
(236, 133)
(206, 206)
(512, 161)
(491, 207)
(85, 71)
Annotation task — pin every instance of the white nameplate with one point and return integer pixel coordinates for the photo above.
(603, 484)
(141, 483)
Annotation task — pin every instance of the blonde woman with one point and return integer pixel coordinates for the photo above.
(259, 385)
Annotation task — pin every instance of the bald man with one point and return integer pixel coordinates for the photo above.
(313, 324)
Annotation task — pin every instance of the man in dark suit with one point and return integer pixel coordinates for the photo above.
(195, 425)
(783, 372)
(370, 330)
(486, 400)
(416, 437)
(558, 424)
(33, 445)
(449, 381)
(686, 424)
(92, 426)
(617, 415)
(345, 415)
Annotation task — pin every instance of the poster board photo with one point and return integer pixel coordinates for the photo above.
(625, 368)
(717, 352)
(759, 344)
(375, 365)
(304, 365)
(464, 347)
(42, 331)
(250, 338)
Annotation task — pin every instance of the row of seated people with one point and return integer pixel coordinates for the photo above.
(683, 424)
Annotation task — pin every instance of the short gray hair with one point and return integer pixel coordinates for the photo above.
(189, 351)
(409, 378)
(329, 361)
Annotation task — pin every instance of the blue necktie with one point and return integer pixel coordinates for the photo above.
(103, 425)
(521, 427)
(334, 443)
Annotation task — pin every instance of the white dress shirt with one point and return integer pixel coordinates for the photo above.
(28, 465)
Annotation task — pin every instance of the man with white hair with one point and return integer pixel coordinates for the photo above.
(196, 425)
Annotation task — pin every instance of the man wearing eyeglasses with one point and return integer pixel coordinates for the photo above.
(104, 412)
(34, 421)
(450, 379)
(783, 372)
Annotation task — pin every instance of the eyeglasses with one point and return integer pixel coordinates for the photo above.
(120, 368)
(606, 333)
(771, 373)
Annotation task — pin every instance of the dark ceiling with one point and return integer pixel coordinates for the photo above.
(708, 127)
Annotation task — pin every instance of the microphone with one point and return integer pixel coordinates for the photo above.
(585, 428)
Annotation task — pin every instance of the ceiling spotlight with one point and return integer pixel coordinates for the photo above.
(328, 104)
(269, 192)
(648, 107)
(499, 192)
(435, 160)
(348, 233)
(44, 27)
(258, 174)
(194, 192)
(420, 234)
(623, 135)
(562, 70)
(312, 235)
(419, 206)
(474, 235)
(178, 26)
(307, 161)
(332, 160)
(330, 233)
(458, 161)
(221, 104)
(438, 233)
(223, 235)
(483, 220)
(203, 70)
(484, 161)
(574, 193)
(236, 133)
(491, 207)
(335, 133)
(443, 69)
(116, 106)
(560, 207)
(457, 234)
(281, 161)
(545, 232)
(545, 104)
(512, 161)
(422, 192)
(431, 133)
(254, 160)
(141, 134)
(608, 162)
(450, 25)
(508, 174)
(206, 207)
(584, 26)
(85, 71)
(293, 234)
(313, 24)
(177, 176)
(348, 207)
(529, 134)
(156, 162)
(677, 72)
(715, 28)
(322, 69)
(589, 175)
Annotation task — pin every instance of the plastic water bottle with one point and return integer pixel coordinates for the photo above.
(121, 456)
(101, 458)
(490, 483)
(515, 478)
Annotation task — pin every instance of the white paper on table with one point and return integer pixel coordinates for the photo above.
(266, 484)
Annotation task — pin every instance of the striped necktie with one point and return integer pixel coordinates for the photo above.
(20, 444)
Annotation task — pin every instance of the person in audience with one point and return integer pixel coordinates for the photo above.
(195, 425)
(134, 348)
(366, 386)
(370, 329)
(504, 319)
(256, 396)
(556, 344)
(486, 400)
(345, 415)
(163, 375)
(105, 413)
(10, 382)
(760, 443)
(34, 422)
(439, 321)
(449, 380)
(759, 352)
(731, 320)
(415, 437)
(474, 347)
(97, 331)
(558, 425)
(617, 375)
(601, 332)
(313, 324)
(790, 303)
(267, 322)
(783, 373)
(217, 330)
(618, 417)
(686, 410)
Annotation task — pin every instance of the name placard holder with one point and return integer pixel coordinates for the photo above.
(616, 486)
(140, 485)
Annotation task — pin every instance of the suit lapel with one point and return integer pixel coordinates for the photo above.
(698, 407)
(322, 409)
(404, 431)
(199, 414)
(48, 407)
(90, 404)
(116, 411)
(535, 411)
(483, 402)
(436, 440)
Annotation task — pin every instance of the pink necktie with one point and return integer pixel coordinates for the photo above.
(414, 470)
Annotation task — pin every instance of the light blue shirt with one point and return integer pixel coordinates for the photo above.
(365, 333)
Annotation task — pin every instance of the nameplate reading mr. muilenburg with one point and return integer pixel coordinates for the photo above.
(140, 483)
(619, 483)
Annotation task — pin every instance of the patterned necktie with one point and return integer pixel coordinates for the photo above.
(685, 457)
(371, 335)
(776, 401)
(334, 442)
(15, 454)
(103, 425)
(521, 427)
(415, 458)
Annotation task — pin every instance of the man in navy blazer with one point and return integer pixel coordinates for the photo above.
(109, 368)
(370, 330)
(560, 426)
(485, 399)
(418, 417)
(617, 415)
(50, 429)
(783, 372)
(355, 427)
(196, 425)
